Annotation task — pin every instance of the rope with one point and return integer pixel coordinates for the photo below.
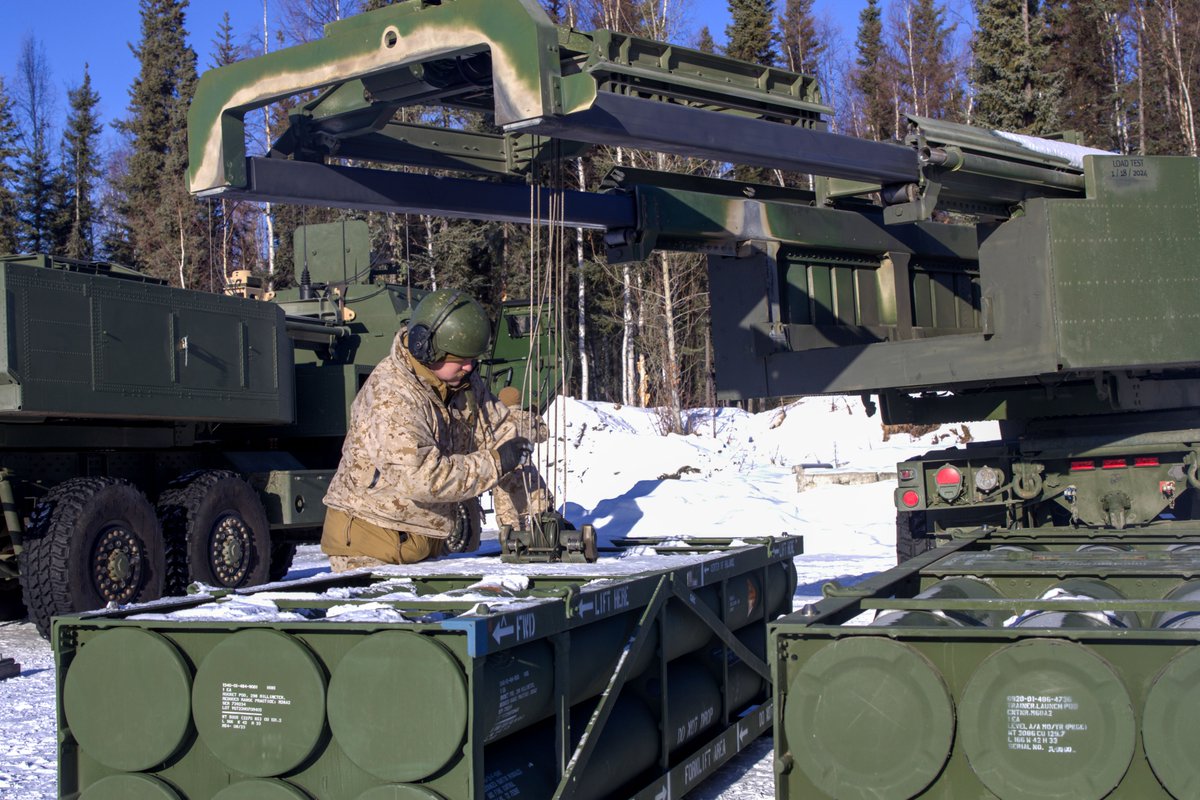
(547, 284)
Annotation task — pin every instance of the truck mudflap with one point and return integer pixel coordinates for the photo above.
(638, 675)
(1001, 665)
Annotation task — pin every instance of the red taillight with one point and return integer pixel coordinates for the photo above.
(1082, 466)
(948, 476)
(907, 473)
(1146, 461)
(1113, 463)
(910, 499)
(949, 483)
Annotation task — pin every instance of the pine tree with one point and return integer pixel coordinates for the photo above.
(58, 218)
(870, 76)
(81, 168)
(8, 174)
(923, 63)
(1167, 76)
(751, 35)
(230, 222)
(154, 94)
(704, 41)
(626, 16)
(1088, 51)
(305, 20)
(166, 226)
(35, 183)
(1015, 89)
(803, 50)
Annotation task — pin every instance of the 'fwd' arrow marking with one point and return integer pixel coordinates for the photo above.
(503, 630)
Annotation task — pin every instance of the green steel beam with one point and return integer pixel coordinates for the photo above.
(504, 57)
(521, 40)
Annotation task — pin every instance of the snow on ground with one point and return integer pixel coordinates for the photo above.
(731, 476)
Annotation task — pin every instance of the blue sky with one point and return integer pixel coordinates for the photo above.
(99, 32)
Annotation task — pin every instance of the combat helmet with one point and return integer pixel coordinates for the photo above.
(448, 322)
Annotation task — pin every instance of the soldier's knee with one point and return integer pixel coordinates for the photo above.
(417, 548)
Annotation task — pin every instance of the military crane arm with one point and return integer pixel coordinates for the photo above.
(551, 91)
(821, 290)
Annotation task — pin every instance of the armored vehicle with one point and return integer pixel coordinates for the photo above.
(962, 274)
(152, 436)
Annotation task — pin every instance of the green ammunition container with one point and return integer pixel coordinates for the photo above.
(633, 675)
(1077, 688)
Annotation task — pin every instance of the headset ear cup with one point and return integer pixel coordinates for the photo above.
(420, 343)
(420, 335)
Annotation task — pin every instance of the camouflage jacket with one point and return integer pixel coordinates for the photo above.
(410, 458)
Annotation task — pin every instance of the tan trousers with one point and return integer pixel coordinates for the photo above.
(351, 543)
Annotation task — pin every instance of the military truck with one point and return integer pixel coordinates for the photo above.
(963, 274)
(152, 436)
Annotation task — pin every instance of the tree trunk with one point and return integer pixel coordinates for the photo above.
(1141, 76)
(1116, 45)
(627, 357)
(227, 211)
(910, 47)
(672, 362)
(584, 370)
(1027, 89)
(1187, 118)
(182, 249)
(643, 380)
(268, 219)
(428, 220)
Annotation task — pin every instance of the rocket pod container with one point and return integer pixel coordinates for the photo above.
(998, 666)
(458, 679)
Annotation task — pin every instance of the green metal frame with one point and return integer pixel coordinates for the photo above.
(559, 604)
(1140, 565)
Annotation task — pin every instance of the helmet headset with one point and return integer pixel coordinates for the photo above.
(420, 336)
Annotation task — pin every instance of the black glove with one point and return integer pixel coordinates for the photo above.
(516, 452)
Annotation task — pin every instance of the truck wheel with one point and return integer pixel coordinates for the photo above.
(91, 541)
(911, 538)
(281, 560)
(216, 531)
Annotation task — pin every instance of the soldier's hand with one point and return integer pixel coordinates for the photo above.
(516, 452)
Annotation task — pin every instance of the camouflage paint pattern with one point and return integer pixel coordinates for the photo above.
(517, 33)
(366, 67)
(409, 458)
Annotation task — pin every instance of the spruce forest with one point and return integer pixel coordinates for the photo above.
(1119, 72)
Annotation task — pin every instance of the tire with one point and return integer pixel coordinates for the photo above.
(282, 554)
(911, 535)
(216, 531)
(91, 541)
